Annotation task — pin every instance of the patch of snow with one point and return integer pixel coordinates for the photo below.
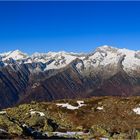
(24, 125)
(79, 65)
(28, 61)
(68, 106)
(68, 134)
(36, 112)
(104, 138)
(100, 108)
(71, 107)
(40, 113)
(137, 110)
(3, 131)
(81, 103)
(2, 112)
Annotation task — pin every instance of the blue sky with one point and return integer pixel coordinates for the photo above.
(70, 26)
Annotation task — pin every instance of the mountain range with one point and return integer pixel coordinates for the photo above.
(107, 71)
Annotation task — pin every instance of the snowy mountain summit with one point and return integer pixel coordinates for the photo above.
(107, 71)
(104, 56)
(16, 55)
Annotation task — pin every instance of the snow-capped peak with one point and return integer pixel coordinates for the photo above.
(106, 48)
(104, 56)
(16, 55)
(5, 54)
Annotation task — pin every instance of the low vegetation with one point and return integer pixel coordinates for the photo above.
(100, 117)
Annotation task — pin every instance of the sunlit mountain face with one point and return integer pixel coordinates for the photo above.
(107, 71)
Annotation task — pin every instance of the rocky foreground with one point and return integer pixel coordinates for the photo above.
(98, 117)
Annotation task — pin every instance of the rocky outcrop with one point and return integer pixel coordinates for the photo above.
(95, 118)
